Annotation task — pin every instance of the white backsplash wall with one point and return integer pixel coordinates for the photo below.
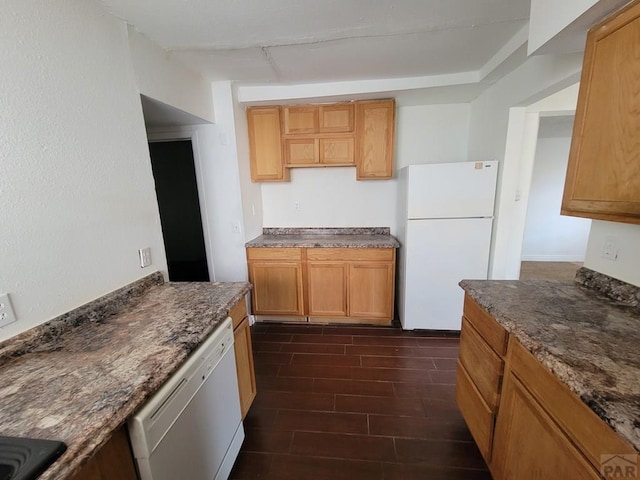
(627, 239)
(331, 197)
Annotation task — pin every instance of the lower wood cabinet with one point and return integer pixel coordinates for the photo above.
(529, 444)
(113, 460)
(371, 288)
(479, 373)
(244, 356)
(527, 424)
(328, 285)
(276, 275)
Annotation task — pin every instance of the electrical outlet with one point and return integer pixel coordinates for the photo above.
(145, 257)
(610, 249)
(7, 314)
(296, 205)
(235, 227)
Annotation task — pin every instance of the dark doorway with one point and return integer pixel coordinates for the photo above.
(176, 188)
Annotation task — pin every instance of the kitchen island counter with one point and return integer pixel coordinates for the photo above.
(585, 333)
(80, 376)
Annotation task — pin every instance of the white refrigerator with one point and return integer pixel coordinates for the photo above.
(445, 222)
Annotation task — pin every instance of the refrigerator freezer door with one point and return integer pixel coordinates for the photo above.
(451, 190)
(440, 253)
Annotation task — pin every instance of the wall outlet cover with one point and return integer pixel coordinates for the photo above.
(145, 257)
(7, 315)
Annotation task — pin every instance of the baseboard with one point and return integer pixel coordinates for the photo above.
(553, 258)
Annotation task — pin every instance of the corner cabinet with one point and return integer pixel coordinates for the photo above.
(603, 176)
(527, 424)
(359, 134)
(323, 285)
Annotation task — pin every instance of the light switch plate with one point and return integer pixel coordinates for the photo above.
(7, 315)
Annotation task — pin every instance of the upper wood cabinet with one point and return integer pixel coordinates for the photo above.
(375, 124)
(267, 163)
(300, 119)
(336, 118)
(337, 134)
(603, 176)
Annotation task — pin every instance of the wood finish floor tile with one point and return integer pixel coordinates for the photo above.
(353, 387)
(334, 422)
(325, 359)
(348, 402)
(298, 467)
(350, 447)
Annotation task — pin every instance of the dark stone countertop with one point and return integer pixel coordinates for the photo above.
(357, 237)
(588, 340)
(80, 376)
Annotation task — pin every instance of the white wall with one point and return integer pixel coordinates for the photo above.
(549, 236)
(160, 76)
(331, 197)
(561, 26)
(76, 188)
(537, 78)
(550, 17)
(251, 192)
(627, 238)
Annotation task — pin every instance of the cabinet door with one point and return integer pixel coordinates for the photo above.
(265, 146)
(375, 123)
(337, 151)
(327, 289)
(603, 176)
(336, 118)
(301, 151)
(277, 288)
(371, 290)
(244, 365)
(113, 460)
(529, 445)
(302, 119)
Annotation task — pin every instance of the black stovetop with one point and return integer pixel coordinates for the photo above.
(27, 458)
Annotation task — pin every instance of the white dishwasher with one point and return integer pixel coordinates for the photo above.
(192, 427)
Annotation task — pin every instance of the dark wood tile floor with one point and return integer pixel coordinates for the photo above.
(340, 402)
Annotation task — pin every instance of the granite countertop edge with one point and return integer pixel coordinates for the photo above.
(602, 403)
(108, 409)
(343, 237)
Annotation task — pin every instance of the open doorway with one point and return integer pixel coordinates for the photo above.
(554, 245)
(180, 215)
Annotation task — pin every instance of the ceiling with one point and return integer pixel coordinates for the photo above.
(263, 42)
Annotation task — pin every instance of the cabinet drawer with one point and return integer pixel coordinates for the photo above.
(495, 335)
(257, 253)
(586, 430)
(351, 254)
(475, 411)
(482, 364)
(238, 312)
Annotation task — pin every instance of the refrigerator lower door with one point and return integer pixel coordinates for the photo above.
(440, 253)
